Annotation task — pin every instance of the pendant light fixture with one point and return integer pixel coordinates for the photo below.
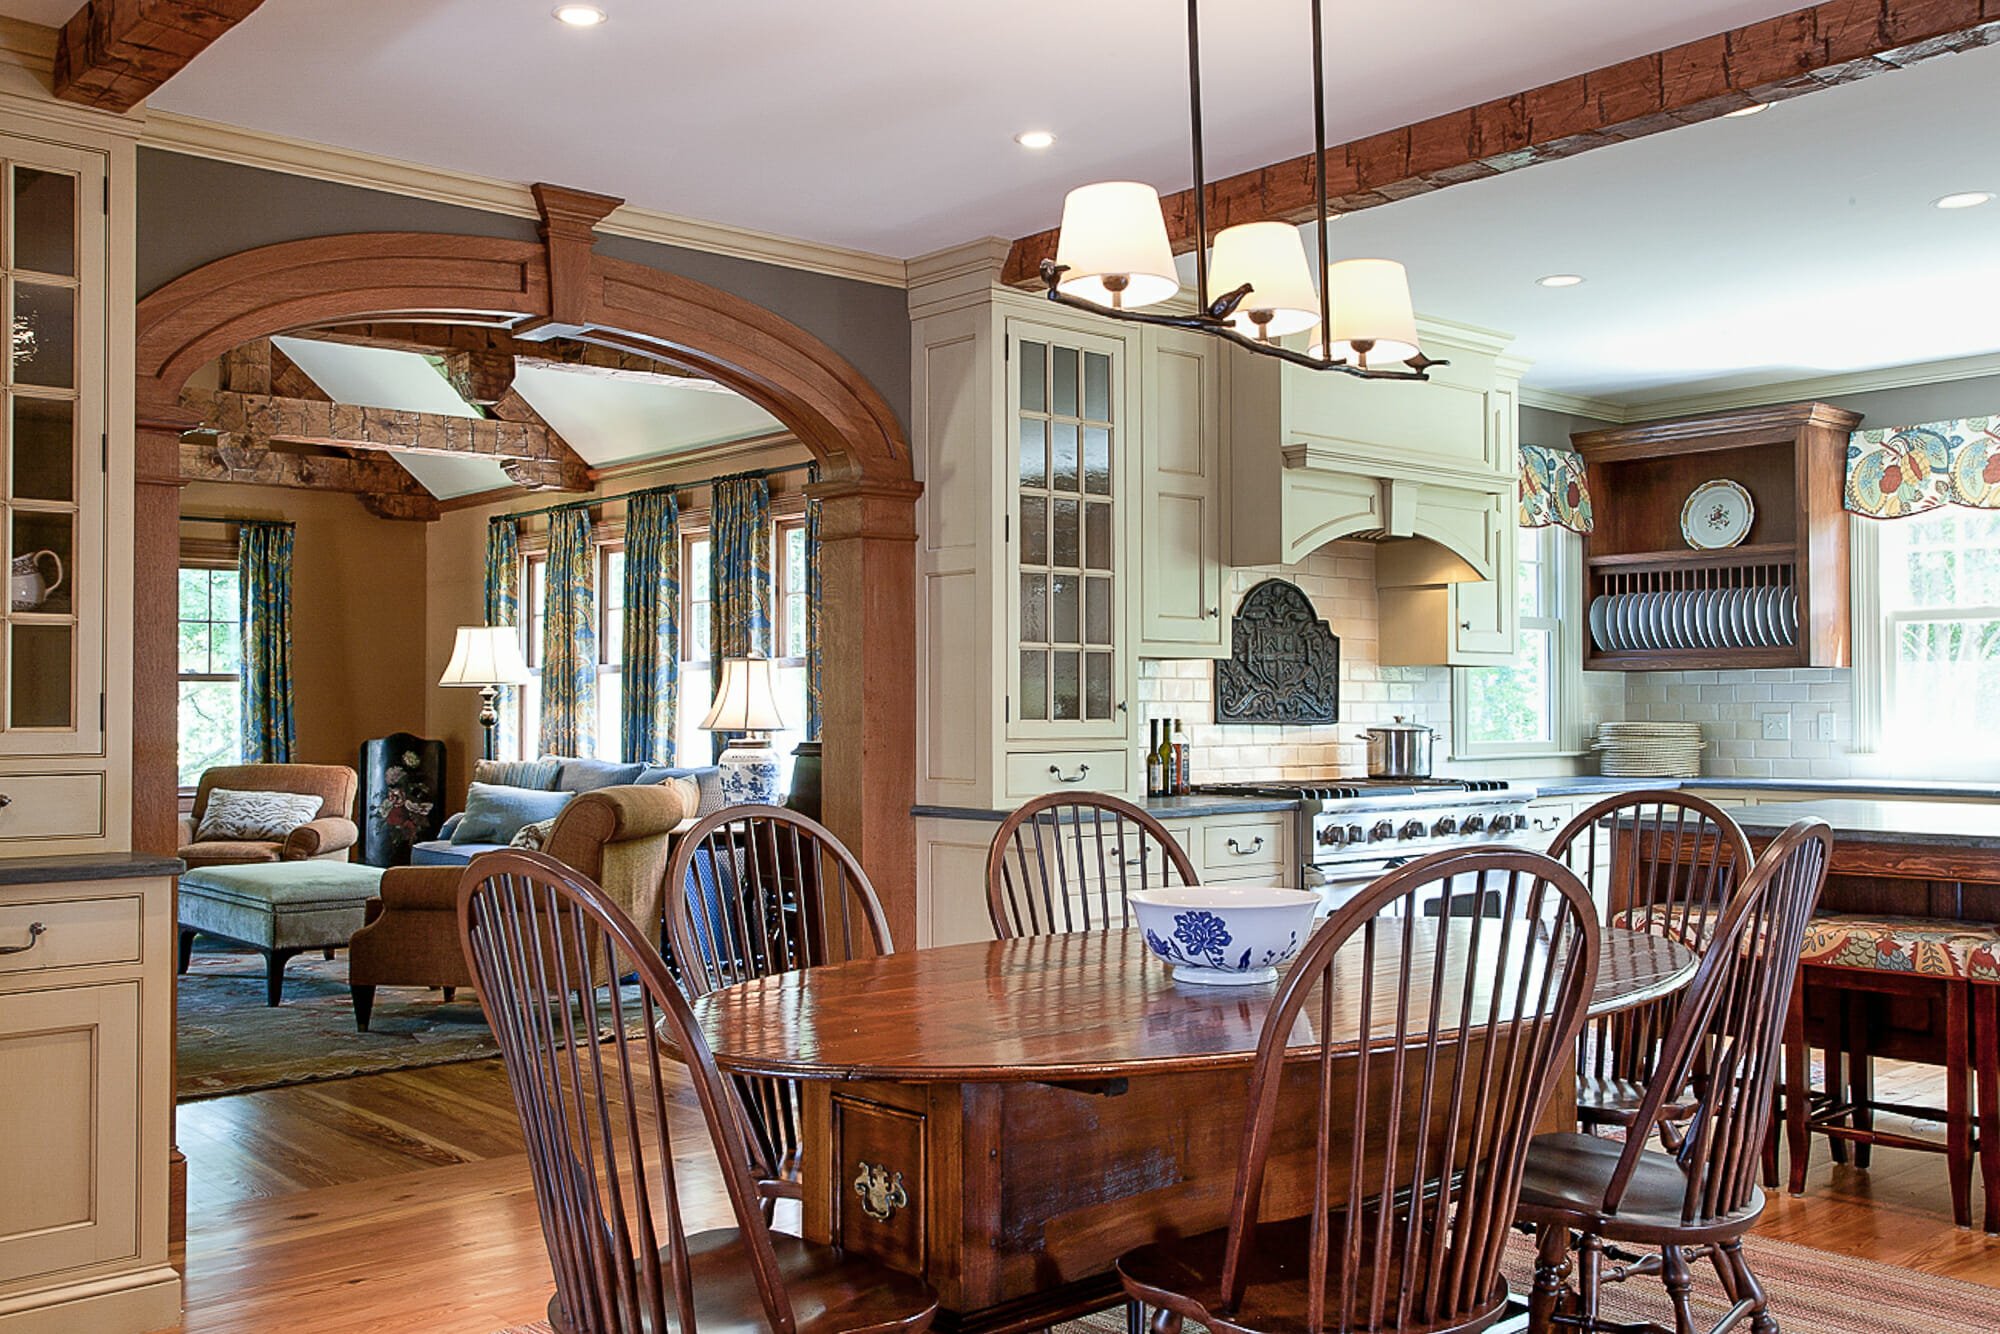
(1113, 257)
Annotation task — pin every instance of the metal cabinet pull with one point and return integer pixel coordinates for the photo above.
(1256, 845)
(5, 800)
(35, 930)
(1081, 771)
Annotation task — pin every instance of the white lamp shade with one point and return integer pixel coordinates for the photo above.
(1272, 259)
(1115, 230)
(748, 700)
(485, 655)
(1370, 300)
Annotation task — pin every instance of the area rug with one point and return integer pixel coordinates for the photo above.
(231, 1042)
(1814, 1292)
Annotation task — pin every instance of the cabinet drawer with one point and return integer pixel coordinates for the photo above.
(75, 933)
(1234, 848)
(1029, 774)
(52, 806)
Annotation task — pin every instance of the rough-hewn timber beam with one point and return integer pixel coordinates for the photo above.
(206, 458)
(114, 54)
(1796, 53)
(561, 354)
(568, 472)
(259, 419)
(480, 378)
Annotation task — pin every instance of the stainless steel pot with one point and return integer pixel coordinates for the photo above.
(1399, 749)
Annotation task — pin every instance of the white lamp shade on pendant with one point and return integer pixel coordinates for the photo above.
(1271, 257)
(485, 655)
(1114, 246)
(748, 699)
(1370, 301)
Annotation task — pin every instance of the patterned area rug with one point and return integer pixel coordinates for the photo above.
(1813, 1292)
(231, 1042)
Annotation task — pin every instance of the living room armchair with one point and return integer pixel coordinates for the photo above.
(327, 836)
(617, 836)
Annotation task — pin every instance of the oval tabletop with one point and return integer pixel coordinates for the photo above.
(1088, 1005)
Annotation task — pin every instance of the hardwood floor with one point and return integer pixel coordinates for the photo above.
(401, 1202)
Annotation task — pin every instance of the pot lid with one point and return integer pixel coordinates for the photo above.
(1400, 726)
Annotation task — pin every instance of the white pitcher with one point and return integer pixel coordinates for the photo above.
(27, 589)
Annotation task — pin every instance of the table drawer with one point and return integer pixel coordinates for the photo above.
(1031, 773)
(1235, 848)
(42, 806)
(75, 933)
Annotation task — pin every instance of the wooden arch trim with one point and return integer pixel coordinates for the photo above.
(867, 489)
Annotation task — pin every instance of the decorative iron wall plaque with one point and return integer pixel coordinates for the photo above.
(1285, 664)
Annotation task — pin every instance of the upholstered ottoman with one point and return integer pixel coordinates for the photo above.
(279, 908)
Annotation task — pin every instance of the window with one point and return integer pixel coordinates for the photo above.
(793, 594)
(610, 649)
(1519, 709)
(534, 603)
(693, 745)
(211, 671)
(1936, 579)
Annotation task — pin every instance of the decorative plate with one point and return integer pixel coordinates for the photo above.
(1717, 514)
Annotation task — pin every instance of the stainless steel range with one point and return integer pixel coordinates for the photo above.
(1351, 830)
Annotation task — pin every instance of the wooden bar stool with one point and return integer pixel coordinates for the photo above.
(1898, 987)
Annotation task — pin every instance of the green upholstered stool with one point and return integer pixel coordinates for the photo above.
(277, 908)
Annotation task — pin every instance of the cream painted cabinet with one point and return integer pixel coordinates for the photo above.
(1179, 569)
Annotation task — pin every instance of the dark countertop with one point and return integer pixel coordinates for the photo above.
(1583, 784)
(1954, 824)
(1161, 808)
(85, 866)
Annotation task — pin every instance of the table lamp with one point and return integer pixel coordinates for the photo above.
(747, 703)
(486, 657)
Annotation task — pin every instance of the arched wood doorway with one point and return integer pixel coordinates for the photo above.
(867, 492)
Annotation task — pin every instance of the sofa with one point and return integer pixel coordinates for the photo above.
(559, 773)
(617, 836)
(328, 836)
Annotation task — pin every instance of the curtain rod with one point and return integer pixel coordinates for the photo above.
(663, 488)
(235, 523)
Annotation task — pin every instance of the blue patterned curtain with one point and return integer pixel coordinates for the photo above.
(264, 571)
(569, 638)
(814, 658)
(651, 670)
(739, 570)
(503, 579)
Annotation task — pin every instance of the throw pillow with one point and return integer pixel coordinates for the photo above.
(494, 813)
(534, 836)
(239, 817)
(538, 774)
(589, 775)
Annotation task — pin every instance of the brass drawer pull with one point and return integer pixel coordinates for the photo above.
(35, 930)
(5, 800)
(1082, 772)
(1256, 846)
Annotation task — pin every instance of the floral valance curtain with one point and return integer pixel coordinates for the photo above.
(739, 570)
(264, 573)
(814, 658)
(569, 638)
(651, 670)
(1553, 490)
(503, 578)
(1903, 470)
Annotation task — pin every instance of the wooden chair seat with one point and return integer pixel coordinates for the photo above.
(1183, 1276)
(1568, 1176)
(830, 1290)
(1605, 1100)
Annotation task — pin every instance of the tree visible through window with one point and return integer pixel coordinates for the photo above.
(1516, 709)
(1940, 597)
(211, 672)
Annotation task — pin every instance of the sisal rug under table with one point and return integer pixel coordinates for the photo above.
(1813, 1292)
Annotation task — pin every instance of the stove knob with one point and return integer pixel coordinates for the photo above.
(1474, 823)
(1517, 821)
(1411, 829)
(1381, 830)
(1356, 834)
(1447, 825)
(1333, 836)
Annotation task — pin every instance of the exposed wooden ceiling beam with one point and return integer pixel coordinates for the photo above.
(480, 378)
(561, 354)
(260, 419)
(1796, 53)
(382, 486)
(566, 472)
(114, 54)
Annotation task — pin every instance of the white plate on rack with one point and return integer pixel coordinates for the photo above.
(1598, 616)
(1732, 618)
(1656, 620)
(1717, 514)
(1711, 618)
(1788, 612)
(1628, 622)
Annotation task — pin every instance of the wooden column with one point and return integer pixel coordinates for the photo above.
(868, 685)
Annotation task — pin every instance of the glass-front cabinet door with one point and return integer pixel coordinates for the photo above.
(1070, 429)
(52, 223)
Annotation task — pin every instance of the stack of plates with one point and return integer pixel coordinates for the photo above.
(1696, 618)
(1649, 750)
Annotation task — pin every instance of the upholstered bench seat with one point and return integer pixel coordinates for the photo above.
(1921, 946)
(277, 908)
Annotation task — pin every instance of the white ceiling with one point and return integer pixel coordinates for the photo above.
(882, 125)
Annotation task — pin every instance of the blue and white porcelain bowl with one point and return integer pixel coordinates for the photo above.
(1225, 935)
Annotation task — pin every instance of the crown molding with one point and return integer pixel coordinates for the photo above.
(1575, 405)
(344, 166)
(29, 45)
(1911, 376)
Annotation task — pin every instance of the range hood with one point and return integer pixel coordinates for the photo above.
(1427, 469)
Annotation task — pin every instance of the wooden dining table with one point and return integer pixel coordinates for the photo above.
(1007, 1118)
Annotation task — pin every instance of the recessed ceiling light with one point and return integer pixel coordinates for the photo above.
(1035, 139)
(1560, 280)
(1750, 110)
(580, 16)
(1969, 199)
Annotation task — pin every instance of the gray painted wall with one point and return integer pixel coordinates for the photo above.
(193, 211)
(1924, 402)
(1552, 430)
